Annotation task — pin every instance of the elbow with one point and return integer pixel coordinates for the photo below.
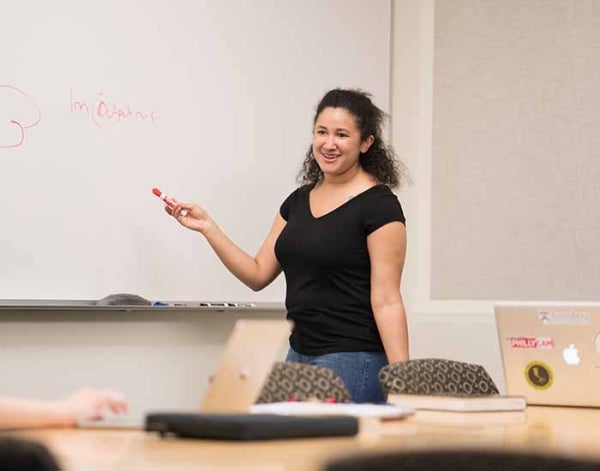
(256, 285)
(261, 280)
(388, 302)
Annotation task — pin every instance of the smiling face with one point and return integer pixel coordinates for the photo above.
(337, 142)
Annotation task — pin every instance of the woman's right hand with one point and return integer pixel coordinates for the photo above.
(191, 216)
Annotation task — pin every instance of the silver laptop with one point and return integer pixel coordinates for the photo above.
(252, 349)
(551, 351)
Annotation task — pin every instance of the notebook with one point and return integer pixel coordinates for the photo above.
(381, 411)
(551, 351)
(487, 403)
(252, 348)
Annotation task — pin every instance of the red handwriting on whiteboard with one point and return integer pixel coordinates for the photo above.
(18, 112)
(104, 111)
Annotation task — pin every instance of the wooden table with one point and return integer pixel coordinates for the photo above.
(565, 431)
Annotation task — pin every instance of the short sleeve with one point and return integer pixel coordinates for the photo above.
(383, 208)
(286, 206)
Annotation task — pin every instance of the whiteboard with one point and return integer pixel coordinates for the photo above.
(211, 101)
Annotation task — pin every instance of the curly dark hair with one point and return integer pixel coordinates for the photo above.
(380, 160)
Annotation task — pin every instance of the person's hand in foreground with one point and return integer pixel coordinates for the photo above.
(83, 404)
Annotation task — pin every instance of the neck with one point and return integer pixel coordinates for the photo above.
(348, 178)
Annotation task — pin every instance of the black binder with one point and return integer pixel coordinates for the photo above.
(249, 426)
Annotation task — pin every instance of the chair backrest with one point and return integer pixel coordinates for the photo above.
(459, 460)
(302, 382)
(19, 454)
(436, 376)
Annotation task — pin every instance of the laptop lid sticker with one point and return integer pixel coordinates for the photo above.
(539, 375)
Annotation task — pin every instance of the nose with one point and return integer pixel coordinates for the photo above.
(330, 142)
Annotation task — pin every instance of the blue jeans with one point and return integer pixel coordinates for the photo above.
(358, 370)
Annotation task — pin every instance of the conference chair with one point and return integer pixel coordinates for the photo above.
(302, 382)
(459, 460)
(436, 376)
(18, 454)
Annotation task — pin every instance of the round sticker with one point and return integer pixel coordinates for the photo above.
(538, 375)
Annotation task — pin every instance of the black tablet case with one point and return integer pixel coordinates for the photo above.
(249, 426)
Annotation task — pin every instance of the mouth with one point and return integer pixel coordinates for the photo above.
(329, 157)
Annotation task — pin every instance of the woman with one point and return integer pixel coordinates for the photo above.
(340, 240)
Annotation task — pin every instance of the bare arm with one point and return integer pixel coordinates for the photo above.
(255, 272)
(83, 404)
(387, 250)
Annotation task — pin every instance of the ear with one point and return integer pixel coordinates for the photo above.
(366, 144)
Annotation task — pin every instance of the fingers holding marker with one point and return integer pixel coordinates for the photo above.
(170, 202)
(181, 211)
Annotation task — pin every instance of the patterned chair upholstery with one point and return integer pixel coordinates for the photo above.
(436, 376)
(302, 382)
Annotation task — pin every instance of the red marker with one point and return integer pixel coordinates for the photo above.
(168, 201)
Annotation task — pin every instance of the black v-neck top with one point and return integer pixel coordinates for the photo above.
(327, 269)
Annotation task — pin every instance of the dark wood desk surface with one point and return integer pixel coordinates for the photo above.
(564, 431)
